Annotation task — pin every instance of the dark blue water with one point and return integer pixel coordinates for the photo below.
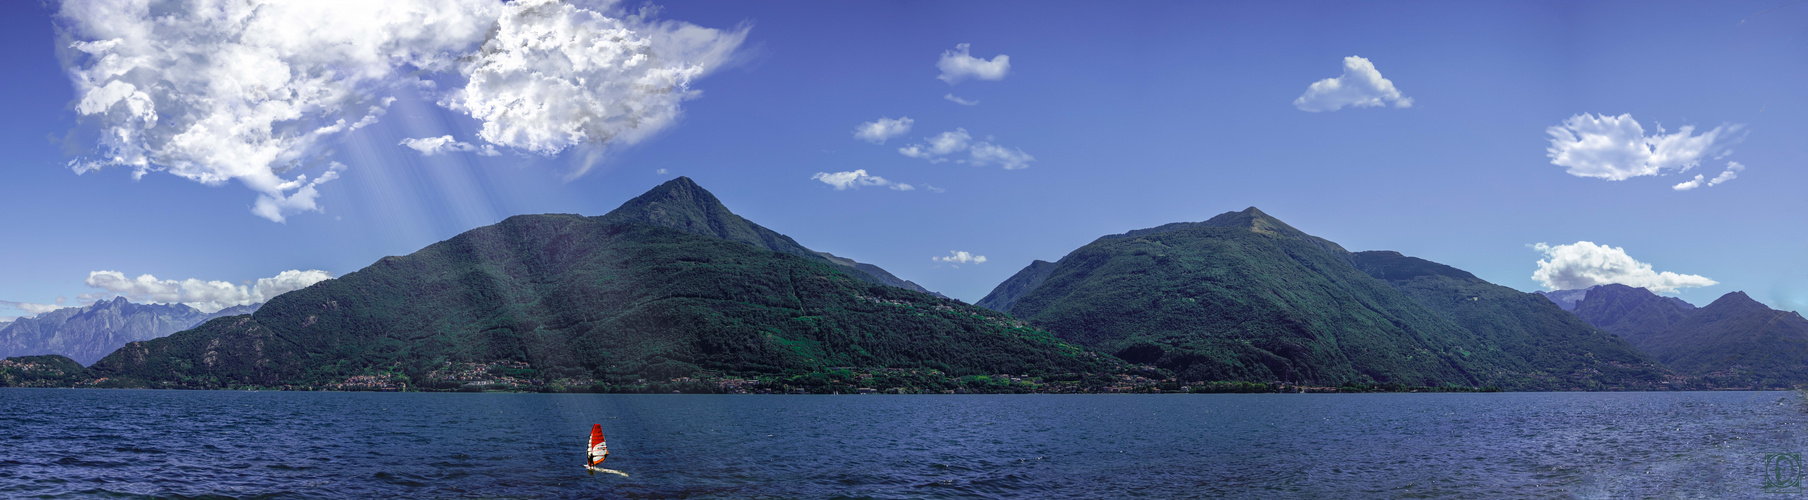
(116, 443)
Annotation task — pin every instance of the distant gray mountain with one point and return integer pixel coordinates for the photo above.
(87, 334)
(232, 311)
(1567, 299)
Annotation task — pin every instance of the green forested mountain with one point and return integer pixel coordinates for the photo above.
(51, 370)
(683, 205)
(603, 301)
(1527, 327)
(1244, 296)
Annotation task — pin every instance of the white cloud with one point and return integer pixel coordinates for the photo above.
(937, 148)
(883, 129)
(660, 171)
(553, 75)
(1359, 86)
(429, 146)
(1584, 264)
(253, 91)
(207, 296)
(857, 179)
(934, 189)
(942, 144)
(985, 153)
(247, 91)
(957, 100)
(957, 65)
(1732, 172)
(35, 309)
(1616, 147)
(959, 257)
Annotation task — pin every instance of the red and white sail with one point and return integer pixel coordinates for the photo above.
(598, 449)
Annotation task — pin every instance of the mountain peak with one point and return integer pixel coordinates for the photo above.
(1255, 220)
(681, 191)
(683, 205)
(1737, 300)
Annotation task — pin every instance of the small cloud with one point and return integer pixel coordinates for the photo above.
(857, 179)
(883, 129)
(429, 146)
(957, 65)
(957, 100)
(1360, 86)
(1732, 172)
(942, 144)
(985, 153)
(660, 171)
(959, 257)
(939, 147)
(1584, 264)
(934, 189)
(1616, 147)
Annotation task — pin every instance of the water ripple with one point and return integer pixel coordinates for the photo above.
(182, 444)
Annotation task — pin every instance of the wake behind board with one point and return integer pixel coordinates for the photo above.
(599, 451)
(594, 470)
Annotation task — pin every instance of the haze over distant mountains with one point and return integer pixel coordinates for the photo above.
(88, 333)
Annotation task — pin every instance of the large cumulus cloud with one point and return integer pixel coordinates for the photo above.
(1584, 264)
(253, 91)
(1617, 148)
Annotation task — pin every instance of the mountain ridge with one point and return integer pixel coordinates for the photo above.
(88, 333)
(1245, 296)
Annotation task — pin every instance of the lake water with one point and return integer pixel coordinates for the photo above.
(57, 443)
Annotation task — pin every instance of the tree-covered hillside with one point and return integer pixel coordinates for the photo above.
(1556, 349)
(592, 302)
(1244, 296)
(1736, 342)
(1632, 313)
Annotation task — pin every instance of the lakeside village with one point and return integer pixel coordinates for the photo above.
(514, 376)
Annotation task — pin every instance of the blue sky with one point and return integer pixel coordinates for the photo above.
(1135, 114)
